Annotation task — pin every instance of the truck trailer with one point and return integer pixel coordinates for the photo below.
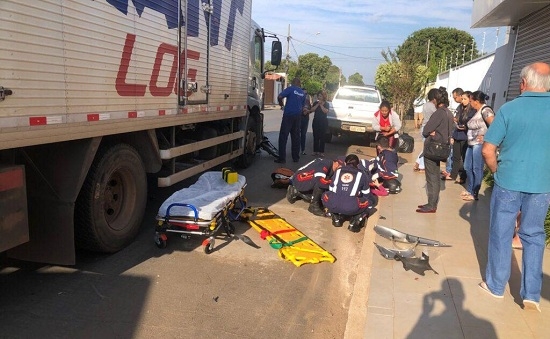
(94, 95)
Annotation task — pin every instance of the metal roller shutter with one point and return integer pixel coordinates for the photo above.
(532, 44)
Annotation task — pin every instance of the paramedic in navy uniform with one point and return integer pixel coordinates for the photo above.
(313, 177)
(349, 195)
(292, 115)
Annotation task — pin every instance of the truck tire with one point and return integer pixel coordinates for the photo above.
(110, 206)
(250, 141)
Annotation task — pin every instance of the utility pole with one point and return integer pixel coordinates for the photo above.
(496, 42)
(463, 52)
(472, 51)
(428, 53)
(457, 56)
(287, 56)
(288, 46)
(483, 44)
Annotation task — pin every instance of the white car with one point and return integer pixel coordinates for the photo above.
(352, 111)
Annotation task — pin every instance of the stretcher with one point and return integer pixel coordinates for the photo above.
(291, 244)
(205, 208)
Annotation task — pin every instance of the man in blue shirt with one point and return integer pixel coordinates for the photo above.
(292, 115)
(521, 132)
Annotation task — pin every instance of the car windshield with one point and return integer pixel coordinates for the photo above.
(358, 94)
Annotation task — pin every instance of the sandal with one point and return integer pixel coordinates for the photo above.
(468, 197)
(463, 193)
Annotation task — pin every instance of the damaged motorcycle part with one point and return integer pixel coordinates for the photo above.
(396, 235)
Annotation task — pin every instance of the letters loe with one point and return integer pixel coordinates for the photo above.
(123, 88)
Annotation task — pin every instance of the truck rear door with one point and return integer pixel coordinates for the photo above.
(194, 47)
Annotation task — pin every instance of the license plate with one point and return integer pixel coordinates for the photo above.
(357, 129)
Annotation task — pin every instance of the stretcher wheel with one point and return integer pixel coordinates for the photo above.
(208, 245)
(230, 228)
(161, 240)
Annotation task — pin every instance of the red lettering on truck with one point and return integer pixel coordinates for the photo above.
(124, 88)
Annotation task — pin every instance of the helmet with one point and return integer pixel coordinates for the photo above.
(393, 185)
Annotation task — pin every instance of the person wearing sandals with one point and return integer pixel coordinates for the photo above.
(477, 127)
(386, 123)
(521, 133)
(457, 96)
(464, 113)
(320, 123)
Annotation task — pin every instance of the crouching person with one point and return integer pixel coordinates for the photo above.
(310, 181)
(349, 195)
(385, 165)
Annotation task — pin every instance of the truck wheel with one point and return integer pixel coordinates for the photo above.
(247, 158)
(110, 206)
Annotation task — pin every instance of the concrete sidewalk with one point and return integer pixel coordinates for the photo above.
(389, 302)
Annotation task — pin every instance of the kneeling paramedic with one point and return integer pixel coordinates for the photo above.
(386, 163)
(310, 181)
(349, 195)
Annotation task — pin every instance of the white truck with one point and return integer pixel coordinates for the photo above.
(96, 94)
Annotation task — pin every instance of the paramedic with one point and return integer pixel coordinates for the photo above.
(310, 181)
(349, 195)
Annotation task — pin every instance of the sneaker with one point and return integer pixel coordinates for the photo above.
(279, 161)
(291, 194)
(304, 153)
(337, 220)
(356, 222)
(530, 305)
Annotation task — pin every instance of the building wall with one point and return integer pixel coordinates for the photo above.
(489, 74)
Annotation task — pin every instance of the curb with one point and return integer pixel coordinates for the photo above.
(357, 313)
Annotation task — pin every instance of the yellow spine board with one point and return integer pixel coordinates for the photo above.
(292, 244)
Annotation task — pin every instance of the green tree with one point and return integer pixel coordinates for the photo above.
(400, 80)
(444, 45)
(333, 80)
(356, 79)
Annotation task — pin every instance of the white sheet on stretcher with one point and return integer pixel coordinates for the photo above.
(210, 194)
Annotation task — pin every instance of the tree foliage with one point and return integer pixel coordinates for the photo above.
(314, 71)
(400, 80)
(356, 79)
(445, 44)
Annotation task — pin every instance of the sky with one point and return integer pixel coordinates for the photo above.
(352, 33)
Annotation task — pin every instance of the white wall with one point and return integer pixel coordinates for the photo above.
(489, 74)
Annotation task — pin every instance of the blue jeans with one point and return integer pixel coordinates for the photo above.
(448, 166)
(505, 206)
(473, 165)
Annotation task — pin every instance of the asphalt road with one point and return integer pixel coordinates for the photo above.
(237, 291)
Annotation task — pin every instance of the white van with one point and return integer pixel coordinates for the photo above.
(352, 110)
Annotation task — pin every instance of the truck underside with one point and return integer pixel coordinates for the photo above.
(94, 195)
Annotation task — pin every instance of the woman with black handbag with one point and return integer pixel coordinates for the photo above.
(437, 148)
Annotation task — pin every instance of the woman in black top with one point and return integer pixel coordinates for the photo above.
(464, 113)
(320, 123)
(438, 128)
